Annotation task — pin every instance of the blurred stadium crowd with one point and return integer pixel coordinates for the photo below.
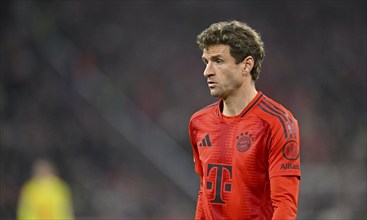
(53, 51)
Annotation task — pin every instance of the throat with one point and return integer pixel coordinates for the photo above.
(233, 106)
(231, 109)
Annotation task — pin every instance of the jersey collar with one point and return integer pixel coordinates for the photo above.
(247, 109)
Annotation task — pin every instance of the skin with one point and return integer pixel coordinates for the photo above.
(227, 80)
(43, 169)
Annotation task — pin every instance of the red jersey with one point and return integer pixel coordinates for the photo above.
(236, 157)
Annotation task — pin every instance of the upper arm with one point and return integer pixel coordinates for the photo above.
(195, 152)
(284, 152)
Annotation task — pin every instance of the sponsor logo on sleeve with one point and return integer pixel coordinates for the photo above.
(289, 166)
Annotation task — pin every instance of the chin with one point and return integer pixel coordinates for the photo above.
(215, 94)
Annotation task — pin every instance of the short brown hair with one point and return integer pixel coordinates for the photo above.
(242, 39)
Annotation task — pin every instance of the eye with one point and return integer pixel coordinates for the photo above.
(219, 61)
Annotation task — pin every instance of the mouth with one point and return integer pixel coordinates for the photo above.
(211, 84)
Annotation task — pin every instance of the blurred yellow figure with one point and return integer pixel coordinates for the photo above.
(45, 195)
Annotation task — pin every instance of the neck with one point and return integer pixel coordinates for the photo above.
(234, 104)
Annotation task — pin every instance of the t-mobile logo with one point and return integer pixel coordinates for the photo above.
(220, 184)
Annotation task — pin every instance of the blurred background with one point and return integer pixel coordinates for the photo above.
(105, 90)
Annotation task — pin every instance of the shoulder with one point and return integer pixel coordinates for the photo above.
(272, 110)
(205, 111)
(277, 116)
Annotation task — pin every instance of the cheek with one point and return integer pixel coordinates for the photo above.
(234, 79)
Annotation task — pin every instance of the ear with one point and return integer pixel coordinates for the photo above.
(247, 65)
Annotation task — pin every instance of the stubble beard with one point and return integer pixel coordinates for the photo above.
(217, 93)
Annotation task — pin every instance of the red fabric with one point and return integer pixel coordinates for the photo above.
(237, 157)
(284, 197)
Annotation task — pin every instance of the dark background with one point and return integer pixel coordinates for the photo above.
(106, 89)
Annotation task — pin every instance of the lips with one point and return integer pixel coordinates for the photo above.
(211, 84)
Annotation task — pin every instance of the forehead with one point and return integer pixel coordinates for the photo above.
(215, 50)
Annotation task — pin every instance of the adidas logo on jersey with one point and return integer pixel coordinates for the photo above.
(205, 142)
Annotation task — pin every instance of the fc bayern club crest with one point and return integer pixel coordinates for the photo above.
(244, 142)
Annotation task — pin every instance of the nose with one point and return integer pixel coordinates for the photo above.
(208, 70)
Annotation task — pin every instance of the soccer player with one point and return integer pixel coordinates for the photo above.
(245, 145)
(45, 195)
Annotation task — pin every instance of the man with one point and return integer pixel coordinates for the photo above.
(45, 195)
(245, 146)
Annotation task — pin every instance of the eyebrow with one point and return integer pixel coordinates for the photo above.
(212, 57)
